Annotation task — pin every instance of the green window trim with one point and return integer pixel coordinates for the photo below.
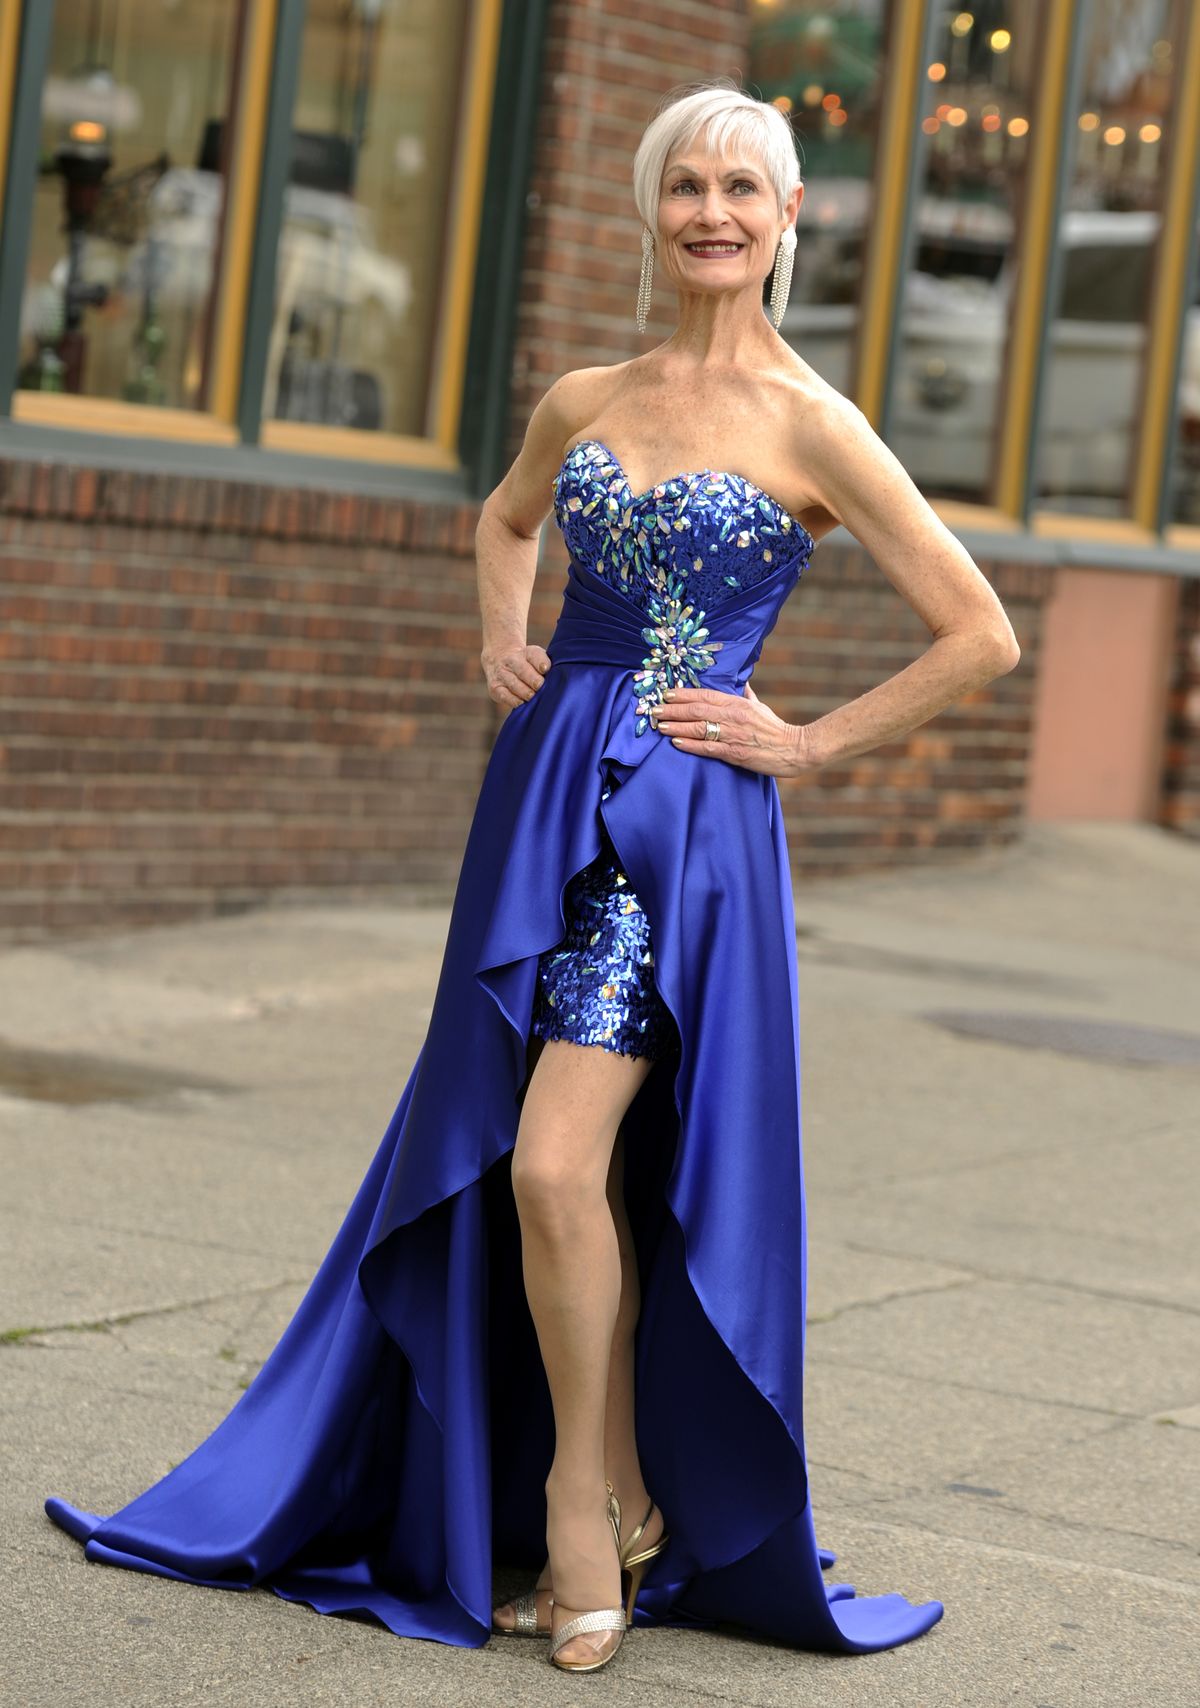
(488, 333)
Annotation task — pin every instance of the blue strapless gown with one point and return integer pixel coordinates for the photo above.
(396, 1441)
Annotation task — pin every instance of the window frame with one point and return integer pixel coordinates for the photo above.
(1173, 291)
(501, 64)
(1011, 509)
(900, 152)
(1147, 493)
(253, 65)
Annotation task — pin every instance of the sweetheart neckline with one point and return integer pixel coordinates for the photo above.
(685, 474)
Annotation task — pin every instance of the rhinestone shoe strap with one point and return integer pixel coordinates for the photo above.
(526, 1607)
(602, 1619)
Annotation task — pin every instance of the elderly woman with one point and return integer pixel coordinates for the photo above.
(770, 459)
(575, 1271)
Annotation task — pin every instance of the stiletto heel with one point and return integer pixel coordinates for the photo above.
(525, 1605)
(634, 1562)
(598, 1619)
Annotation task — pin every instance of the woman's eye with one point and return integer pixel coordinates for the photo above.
(687, 184)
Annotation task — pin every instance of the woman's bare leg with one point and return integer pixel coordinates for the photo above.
(622, 1466)
(571, 1261)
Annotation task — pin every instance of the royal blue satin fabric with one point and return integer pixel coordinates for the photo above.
(396, 1441)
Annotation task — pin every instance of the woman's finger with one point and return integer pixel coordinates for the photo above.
(524, 674)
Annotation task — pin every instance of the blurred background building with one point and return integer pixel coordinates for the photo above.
(281, 281)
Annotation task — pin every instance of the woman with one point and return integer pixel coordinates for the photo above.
(591, 1186)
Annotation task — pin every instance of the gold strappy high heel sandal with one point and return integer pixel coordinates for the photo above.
(633, 1563)
(595, 1619)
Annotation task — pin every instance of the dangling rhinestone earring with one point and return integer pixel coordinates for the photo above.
(644, 283)
(781, 282)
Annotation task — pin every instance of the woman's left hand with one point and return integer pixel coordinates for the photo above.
(751, 734)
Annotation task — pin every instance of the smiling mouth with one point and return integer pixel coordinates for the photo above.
(713, 249)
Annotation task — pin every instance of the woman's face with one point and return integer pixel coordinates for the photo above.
(725, 204)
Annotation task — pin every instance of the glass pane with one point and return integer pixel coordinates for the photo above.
(1185, 505)
(360, 274)
(953, 333)
(129, 201)
(823, 66)
(1110, 227)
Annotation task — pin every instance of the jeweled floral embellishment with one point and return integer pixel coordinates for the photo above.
(716, 530)
(679, 650)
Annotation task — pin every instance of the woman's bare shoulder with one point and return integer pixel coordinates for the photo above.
(584, 393)
(814, 406)
(523, 498)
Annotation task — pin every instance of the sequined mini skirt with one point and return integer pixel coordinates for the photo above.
(597, 985)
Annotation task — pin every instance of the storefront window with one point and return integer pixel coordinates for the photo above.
(953, 334)
(1109, 232)
(360, 277)
(129, 201)
(823, 66)
(1186, 483)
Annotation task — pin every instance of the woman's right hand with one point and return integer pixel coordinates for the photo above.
(514, 673)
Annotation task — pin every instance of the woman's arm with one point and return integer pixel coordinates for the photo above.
(506, 543)
(861, 482)
(854, 476)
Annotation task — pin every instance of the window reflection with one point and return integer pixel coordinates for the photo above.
(1186, 482)
(128, 206)
(1109, 231)
(953, 331)
(823, 67)
(360, 266)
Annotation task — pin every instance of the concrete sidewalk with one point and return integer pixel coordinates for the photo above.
(1003, 1388)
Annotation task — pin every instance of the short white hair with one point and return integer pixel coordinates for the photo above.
(729, 122)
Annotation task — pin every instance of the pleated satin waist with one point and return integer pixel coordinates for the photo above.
(598, 624)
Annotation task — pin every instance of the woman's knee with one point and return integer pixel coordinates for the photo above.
(557, 1189)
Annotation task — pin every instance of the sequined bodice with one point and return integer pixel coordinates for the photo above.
(715, 533)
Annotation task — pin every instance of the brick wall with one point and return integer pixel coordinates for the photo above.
(212, 694)
(1181, 773)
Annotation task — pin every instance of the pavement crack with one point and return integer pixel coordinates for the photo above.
(889, 1298)
(882, 1492)
(1113, 1294)
(1061, 1562)
(939, 1379)
(105, 1324)
(1084, 1527)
